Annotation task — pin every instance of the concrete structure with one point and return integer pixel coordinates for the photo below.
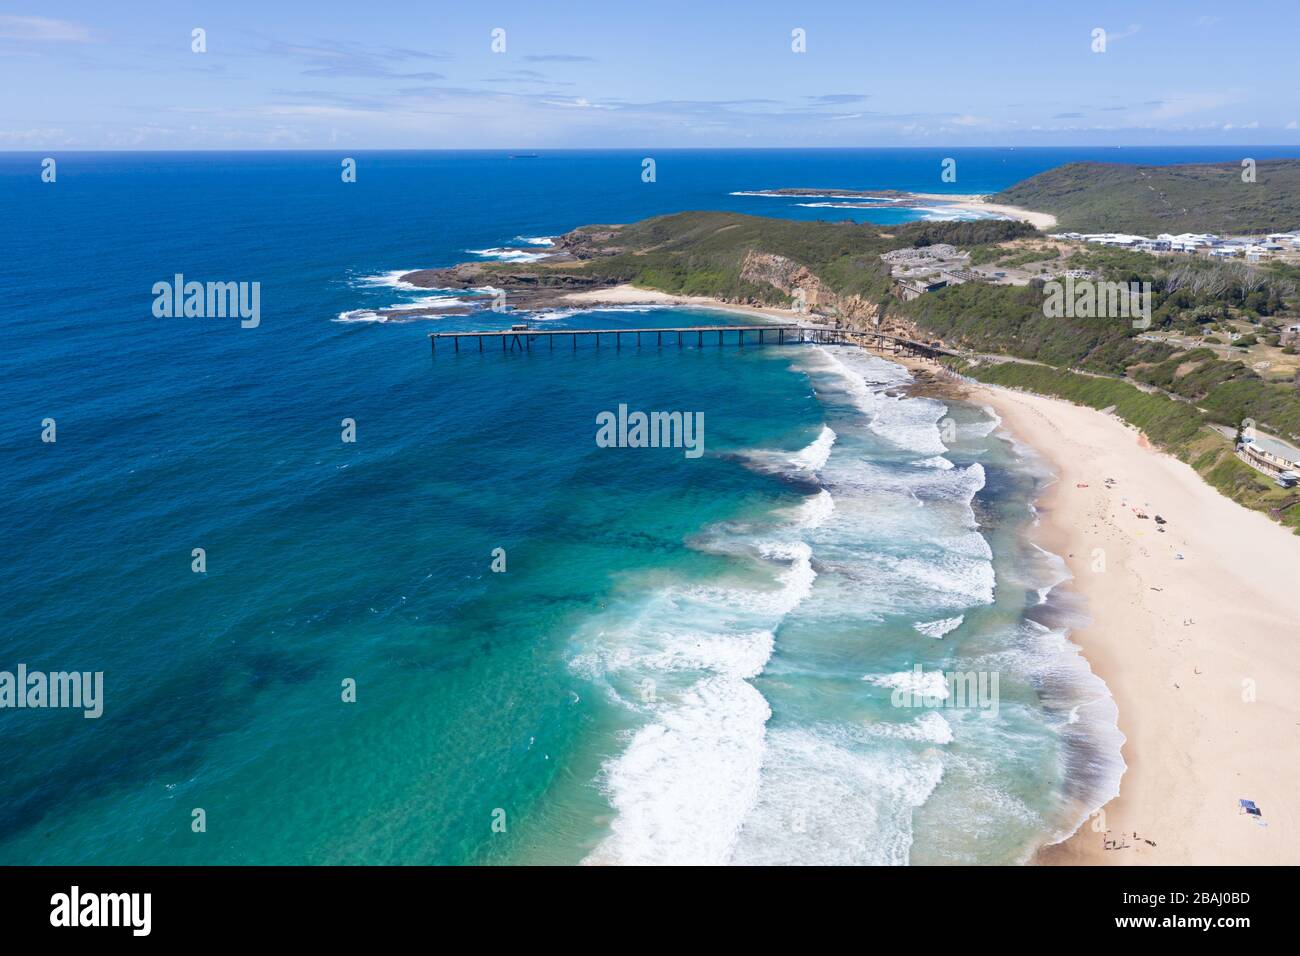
(910, 289)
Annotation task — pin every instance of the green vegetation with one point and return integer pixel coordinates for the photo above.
(1193, 290)
(1227, 392)
(703, 253)
(1010, 320)
(1169, 390)
(1024, 258)
(1110, 197)
(1173, 426)
(1010, 259)
(983, 255)
(1187, 294)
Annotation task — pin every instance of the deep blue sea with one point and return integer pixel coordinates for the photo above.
(684, 660)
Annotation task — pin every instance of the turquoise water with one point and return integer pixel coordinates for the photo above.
(685, 660)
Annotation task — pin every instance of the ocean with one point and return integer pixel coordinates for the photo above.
(683, 660)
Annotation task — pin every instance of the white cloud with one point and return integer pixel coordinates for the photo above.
(1133, 28)
(30, 138)
(1179, 105)
(581, 103)
(43, 28)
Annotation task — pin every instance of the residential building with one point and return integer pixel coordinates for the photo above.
(1273, 457)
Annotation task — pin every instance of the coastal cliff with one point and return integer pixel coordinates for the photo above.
(832, 269)
(802, 285)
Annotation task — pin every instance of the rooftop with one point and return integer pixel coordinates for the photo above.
(1276, 447)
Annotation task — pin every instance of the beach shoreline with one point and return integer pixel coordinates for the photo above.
(627, 294)
(975, 203)
(1192, 625)
(892, 198)
(1197, 650)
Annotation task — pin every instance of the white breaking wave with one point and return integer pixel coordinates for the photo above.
(1082, 704)
(814, 511)
(551, 315)
(925, 684)
(394, 312)
(359, 315)
(428, 301)
(686, 782)
(954, 214)
(773, 194)
(985, 428)
(391, 280)
(801, 466)
(796, 582)
(911, 423)
(536, 240)
(688, 778)
(938, 461)
(815, 455)
(508, 255)
(930, 727)
(861, 204)
(939, 628)
(828, 799)
(708, 776)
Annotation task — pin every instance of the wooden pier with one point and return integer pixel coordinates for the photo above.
(685, 336)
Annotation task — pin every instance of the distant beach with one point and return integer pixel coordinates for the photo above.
(632, 295)
(976, 204)
(1039, 220)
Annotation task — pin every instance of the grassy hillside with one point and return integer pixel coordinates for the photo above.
(1009, 320)
(1174, 426)
(1095, 361)
(1110, 197)
(701, 253)
(1172, 391)
(1187, 294)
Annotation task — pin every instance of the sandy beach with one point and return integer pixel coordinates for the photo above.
(1200, 652)
(1195, 629)
(631, 295)
(1039, 220)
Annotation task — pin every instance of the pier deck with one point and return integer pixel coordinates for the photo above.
(522, 339)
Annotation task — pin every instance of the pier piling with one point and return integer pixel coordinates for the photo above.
(799, 335)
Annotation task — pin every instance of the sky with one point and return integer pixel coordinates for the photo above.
(286, 74)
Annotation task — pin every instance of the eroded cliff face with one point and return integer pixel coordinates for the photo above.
(801, 284)
(543, 284)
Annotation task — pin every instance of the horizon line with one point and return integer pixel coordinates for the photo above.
(632, 149)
